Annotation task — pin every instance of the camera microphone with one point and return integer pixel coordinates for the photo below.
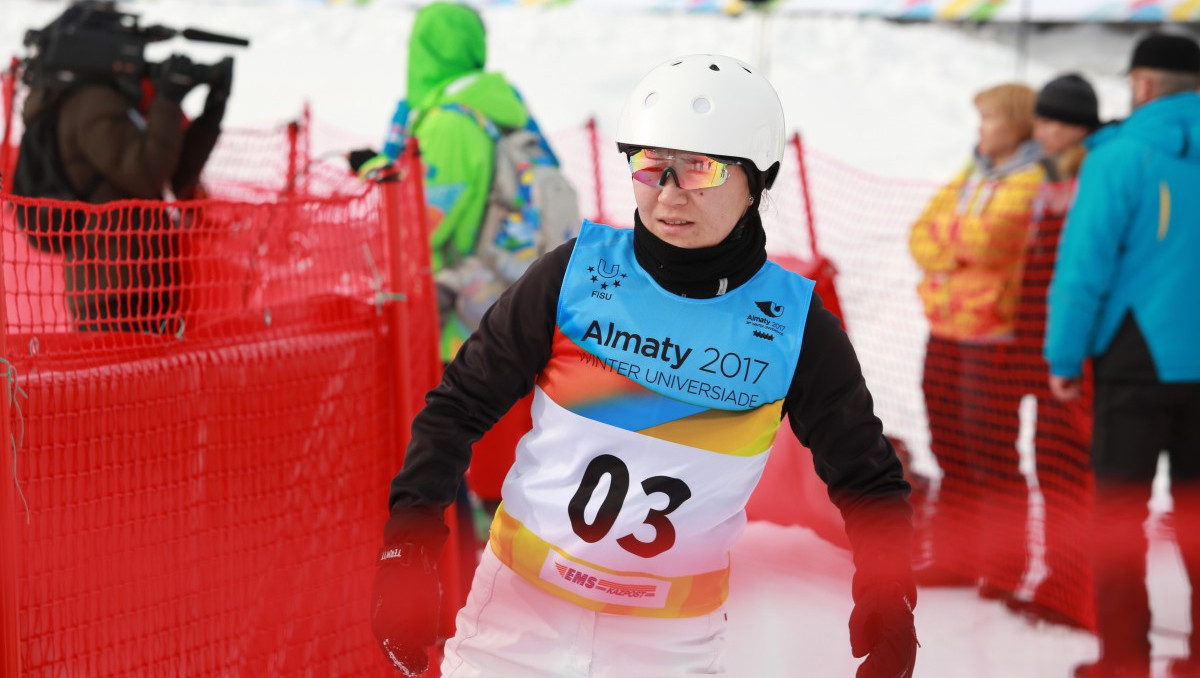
(205, 36)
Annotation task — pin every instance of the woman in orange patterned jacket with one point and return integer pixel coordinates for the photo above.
(969, 242)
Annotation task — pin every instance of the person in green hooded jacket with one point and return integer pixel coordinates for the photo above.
(455, 111)
(450, 102)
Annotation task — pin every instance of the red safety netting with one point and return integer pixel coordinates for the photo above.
(999, 467)
(208, 401)
(252, 165)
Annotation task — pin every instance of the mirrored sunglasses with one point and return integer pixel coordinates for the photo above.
(654, 167)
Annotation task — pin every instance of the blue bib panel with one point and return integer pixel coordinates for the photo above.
(737, 351)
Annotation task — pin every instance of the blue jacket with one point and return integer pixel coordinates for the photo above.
(1131, 244)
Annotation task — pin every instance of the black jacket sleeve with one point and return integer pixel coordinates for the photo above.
(495, 368)
(832, 413)
(198, 143)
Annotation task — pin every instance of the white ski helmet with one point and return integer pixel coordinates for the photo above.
(707, 103)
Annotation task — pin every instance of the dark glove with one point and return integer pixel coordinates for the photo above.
(359, 157)
(220, 84)
(174, 78)
(407, 594)
(882, 630)
(372, 166)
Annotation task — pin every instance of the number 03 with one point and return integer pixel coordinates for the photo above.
(676, 490)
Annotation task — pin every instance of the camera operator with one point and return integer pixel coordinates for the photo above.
(116, 138)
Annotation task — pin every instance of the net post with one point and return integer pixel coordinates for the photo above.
(293, 157)
(798, 146)
(413, 317)
(10, 634)
(597, 175)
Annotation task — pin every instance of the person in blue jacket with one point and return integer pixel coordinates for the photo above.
(1126, 293)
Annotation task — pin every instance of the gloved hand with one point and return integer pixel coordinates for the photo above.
(220, 85)
(174, 78)
(370, 165)
(359, 157)
(882, 630)
(407, 592)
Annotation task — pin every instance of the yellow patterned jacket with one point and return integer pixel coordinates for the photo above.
(970, 242)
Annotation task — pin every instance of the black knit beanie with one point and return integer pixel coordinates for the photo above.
(1167, 52)
(1070, 99)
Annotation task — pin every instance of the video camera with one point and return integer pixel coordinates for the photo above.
(92, 41)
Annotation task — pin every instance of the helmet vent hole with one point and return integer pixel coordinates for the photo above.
(701, 105)
(651, 100)
(747, 70)
(714, 67)
(676, 63)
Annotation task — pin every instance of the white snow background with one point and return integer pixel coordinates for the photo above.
(889, 99)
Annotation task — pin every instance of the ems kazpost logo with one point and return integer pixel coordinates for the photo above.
(606, 278)
(765, 320)
(607, 588)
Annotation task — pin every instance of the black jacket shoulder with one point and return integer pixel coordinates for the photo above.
(495, 368)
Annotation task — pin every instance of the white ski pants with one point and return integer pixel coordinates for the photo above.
(511, 629)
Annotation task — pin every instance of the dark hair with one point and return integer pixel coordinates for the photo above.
(755, 179)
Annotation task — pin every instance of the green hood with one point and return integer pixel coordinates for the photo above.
(448, 41)
(446, 56)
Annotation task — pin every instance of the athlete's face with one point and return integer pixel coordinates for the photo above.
(700, 217)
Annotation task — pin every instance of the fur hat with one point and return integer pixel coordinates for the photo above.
(1070, 99)
(1167, 52)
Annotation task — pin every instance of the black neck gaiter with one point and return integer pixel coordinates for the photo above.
(698, 273)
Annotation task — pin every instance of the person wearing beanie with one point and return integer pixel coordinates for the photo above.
(1123, 296)
(1169, 52)
(1066, 111)
(662, 359)
(969, 243)
(1068, 98)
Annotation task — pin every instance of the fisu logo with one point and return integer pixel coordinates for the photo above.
(608, 277)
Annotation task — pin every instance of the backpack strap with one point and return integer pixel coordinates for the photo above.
(490, 128)
(495, 132)
(497, 197)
